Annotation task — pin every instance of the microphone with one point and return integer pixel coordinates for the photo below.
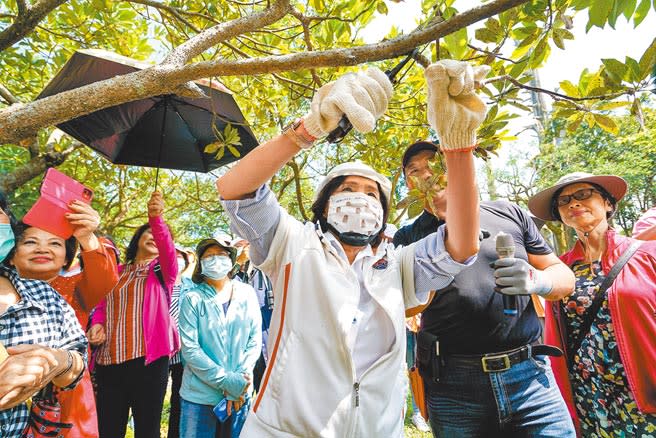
(506, 249)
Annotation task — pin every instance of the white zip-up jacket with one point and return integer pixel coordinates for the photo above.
(310, 387)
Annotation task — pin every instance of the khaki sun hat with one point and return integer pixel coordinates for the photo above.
(541, 204)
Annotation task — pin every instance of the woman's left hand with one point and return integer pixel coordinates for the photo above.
(155, 205)
(85, 221)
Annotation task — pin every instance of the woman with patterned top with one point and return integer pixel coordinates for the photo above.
(41, 255)
(41, 341)
(132, 363)
(610, 384)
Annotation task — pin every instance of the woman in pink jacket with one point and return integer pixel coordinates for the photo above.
(139, 335)
(609, 378)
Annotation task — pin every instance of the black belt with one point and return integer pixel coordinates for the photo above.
(502, 361)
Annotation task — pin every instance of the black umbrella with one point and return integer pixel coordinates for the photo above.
(169, 131)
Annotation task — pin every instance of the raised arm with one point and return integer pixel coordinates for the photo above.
(455, 113)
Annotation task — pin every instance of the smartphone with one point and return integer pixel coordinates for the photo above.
(221, 410)
(58, 190)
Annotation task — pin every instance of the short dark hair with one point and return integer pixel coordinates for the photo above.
(319, 206)
(602, 191)
(4, 205)
(70, 244)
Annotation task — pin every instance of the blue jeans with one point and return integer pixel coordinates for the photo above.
(199, 421)
(522, 401)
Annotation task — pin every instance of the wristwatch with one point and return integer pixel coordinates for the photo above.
(300, 140)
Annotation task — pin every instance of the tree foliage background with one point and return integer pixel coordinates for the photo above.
(273, 55)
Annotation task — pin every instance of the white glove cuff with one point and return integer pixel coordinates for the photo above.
(458, 140)
(313, 126)
(543, 284)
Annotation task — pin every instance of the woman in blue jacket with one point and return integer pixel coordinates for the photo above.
(220, 329)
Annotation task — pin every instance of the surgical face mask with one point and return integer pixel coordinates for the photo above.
(7, 240)
(216, 267)
(182, 265)
(355, 216)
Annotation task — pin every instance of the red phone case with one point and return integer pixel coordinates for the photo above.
(58, 190)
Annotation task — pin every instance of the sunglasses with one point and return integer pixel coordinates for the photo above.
(579, 195)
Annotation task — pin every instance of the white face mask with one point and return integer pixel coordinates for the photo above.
(355, 212)
(216, 267)
(181, 265)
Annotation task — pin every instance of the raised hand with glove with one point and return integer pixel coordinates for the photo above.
(454, 110)
(363, 97)
(516, 277)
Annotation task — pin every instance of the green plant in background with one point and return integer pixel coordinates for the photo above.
(229, 138)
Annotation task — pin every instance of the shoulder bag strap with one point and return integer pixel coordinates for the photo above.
(591, 313)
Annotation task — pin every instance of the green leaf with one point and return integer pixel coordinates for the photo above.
(570, 89)
(648, 59)
(574, 124)
(234, 151)
(615, 69)
(641, 12)
(456, 43)
(540, 53)
(381, 7)
(598, 12)
(611, 105)
(606, 123)
(486, 35)
(558, 41)
(629, 7)
(633, 71)
(212, 147)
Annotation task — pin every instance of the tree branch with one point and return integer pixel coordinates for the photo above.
(21, 120)
(214, 35)
(35, 167)
(7, 96)
(26, 22)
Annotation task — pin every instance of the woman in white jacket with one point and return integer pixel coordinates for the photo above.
(337, 336)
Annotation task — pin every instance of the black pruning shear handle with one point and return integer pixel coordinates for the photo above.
(344, 126)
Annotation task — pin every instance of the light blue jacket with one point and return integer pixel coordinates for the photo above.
(218, 349)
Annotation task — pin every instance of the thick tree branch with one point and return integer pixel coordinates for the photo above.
(214, 35)
(35, 167)
(26, 22)
(21, 120)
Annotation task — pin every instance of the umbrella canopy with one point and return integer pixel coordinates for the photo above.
(168, 131)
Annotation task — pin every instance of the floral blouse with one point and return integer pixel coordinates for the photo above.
(602, 396)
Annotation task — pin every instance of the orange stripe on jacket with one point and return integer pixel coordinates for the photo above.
(272, 361)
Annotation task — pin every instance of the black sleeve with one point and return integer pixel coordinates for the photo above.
(400, 237)
(533, 240)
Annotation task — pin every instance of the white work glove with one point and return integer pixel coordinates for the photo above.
(454, 110)
(516, 277)
(362, 96)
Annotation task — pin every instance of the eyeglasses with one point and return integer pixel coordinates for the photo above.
(579, 195)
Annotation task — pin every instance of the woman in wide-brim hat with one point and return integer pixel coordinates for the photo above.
(611, 384)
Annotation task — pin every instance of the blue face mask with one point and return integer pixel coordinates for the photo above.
(216, 267)
(7, 241)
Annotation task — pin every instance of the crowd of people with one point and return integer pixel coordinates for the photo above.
(299, 329)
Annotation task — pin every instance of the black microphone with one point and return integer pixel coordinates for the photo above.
(506, 249)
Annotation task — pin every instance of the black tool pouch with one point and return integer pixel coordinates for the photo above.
(428, 356)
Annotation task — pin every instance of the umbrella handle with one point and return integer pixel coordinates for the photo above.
(161, 140)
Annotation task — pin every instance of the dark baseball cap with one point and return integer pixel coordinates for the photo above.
(415, 148)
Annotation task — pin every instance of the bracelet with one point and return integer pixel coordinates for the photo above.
(69, 365)
(300, 140)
